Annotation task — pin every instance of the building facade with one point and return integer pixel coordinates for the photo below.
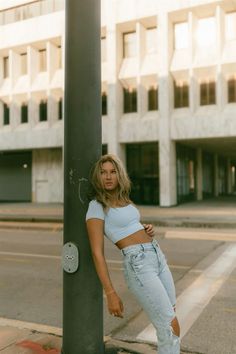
(168, 97)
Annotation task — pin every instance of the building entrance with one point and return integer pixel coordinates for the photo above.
(142, 166)
(15, 176)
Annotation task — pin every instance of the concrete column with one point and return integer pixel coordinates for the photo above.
(15, 115)
(216, 177)
(167, 151)
(141, 91)
(193, 84)
(52, 110)
(220, 84)
(229, 177)
(33, 63)
(14, 67)
(33, 112)
(52, 59)
(199, 175)
(1, 114)
(114, 87)
(1, 71)
(234, 178)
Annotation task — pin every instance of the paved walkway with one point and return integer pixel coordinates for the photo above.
(218, 212)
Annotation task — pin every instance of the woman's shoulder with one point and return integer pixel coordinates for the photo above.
(95, 203)
(95, 210)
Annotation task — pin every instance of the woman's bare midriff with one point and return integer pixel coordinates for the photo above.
(133, 239)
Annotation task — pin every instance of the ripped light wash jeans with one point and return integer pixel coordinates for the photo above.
(149, 279)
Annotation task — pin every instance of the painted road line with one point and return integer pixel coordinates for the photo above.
(46, 256)
(195, 298)
(175, 266)
(31, 326)
(29, 255)
(201, 235)
(35, 255)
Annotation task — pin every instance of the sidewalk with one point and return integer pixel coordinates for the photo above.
(25, 341)
(218, 212)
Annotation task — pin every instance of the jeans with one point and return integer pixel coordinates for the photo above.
(149, 279)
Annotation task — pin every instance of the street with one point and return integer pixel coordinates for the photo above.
(31, 285)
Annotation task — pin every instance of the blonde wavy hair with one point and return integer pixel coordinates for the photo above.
(124, 184)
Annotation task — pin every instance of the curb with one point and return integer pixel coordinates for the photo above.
(22, 225)
(190, 224)
(114, 346)
(57, 225)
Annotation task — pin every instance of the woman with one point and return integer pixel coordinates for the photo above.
(112, 213)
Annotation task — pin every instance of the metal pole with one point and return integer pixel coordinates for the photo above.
(82, 293)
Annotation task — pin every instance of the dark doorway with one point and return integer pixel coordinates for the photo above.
(15, 176)
(143, 169)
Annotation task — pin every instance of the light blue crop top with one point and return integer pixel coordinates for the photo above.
(119, 222)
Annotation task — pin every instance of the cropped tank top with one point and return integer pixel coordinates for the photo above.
(119, 222)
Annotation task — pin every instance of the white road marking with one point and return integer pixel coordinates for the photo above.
(201, 235)
(30, 255)
(195, 298)
(170, 265)
(114, 261)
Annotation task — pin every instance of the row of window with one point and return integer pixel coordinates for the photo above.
(206, 35)
(181, 100)
(43, 112)
(130, 45)
(33, 9)
(206, 32)
(181, 96)
(207, 93)
(24, 64)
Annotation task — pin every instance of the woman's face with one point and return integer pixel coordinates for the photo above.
(109, 176)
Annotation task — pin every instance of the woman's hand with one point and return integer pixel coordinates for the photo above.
(115, 305)
(149, 230)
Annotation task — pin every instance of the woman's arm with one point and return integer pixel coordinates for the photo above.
(96, 238)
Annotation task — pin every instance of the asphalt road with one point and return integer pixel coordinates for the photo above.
(31, 285)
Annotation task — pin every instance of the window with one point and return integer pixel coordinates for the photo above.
(104, 103)
(130, 100)
(207, 93)
(206, 32)
(151, 40)
(129, 45)
(232, 90)
(181, 35)
(104, 149)
(60, 111)
(42, 60)
(181, 95)
(59, 65)
(9, 16)
(33, 9)
(6, 114)
(24, 113)
(103, 49)
(152, 99)
(23, 63)
(5, 67)
(230, 26)
(43, 111)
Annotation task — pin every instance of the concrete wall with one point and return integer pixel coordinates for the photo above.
(47, 175)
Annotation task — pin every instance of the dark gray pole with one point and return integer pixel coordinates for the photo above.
(82, 298)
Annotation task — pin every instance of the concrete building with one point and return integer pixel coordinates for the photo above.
(168, 97)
